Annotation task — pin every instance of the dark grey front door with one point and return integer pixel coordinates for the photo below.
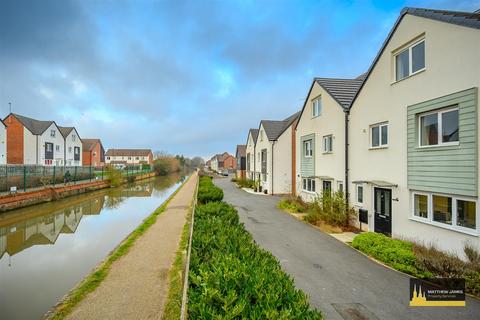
(383, 210)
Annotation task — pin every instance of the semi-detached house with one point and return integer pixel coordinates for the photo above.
(252, 173)
(320, 137)
(274, 155)
(414, 131)
(73, 146)
(34, 142)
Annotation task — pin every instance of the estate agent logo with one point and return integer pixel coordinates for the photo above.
(441, 292)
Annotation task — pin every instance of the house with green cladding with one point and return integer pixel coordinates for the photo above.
(414, 131)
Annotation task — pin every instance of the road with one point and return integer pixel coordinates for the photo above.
(337, 278)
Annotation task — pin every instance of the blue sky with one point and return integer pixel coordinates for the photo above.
(187, 77)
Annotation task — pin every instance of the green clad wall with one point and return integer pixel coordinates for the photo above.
(445, 169)
(307, 164)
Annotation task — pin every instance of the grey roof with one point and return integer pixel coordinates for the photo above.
(36, 127)
(342, 90)
(254, 133)
(65, 131)
(465, 19)
(241, 150)
(274, 128)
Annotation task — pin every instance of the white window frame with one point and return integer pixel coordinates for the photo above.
(308, 152)
(429, 220)
(380, 140)
(439, 113)
(57, 148)
(325, 138)
(409, 48)
(69, 149)
(340, 183)
(305, 182)
(357, 193)
(52, 133)
(73, 137)
(317, 107)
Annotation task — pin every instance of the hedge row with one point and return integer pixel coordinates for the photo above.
(230, 276)
(207, 191)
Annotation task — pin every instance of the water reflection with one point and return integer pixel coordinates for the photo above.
(52, 246)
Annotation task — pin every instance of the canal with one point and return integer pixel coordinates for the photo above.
(45, 250)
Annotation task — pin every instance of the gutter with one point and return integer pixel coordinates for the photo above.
(273, 145)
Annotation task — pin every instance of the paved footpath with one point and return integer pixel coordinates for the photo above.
(335, 276)
(137, 284)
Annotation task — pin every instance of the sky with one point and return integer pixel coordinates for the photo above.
(183, 77)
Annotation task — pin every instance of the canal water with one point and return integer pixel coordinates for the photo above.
(45, 250)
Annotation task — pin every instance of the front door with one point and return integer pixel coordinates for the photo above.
(383, 210)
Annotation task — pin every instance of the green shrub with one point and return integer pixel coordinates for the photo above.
(293, 204)
(207, 191)
(131, 179)
(245, 183)
(394, 252)
(232, 278)
(114, 176)
(438, 262)
(331, 208)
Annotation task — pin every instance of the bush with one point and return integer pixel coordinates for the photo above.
(394, 252)
(293, 204)
(165, 165)
(439, 263)
(131, 179)
(232, 278)
(114, 176)
(208, 192)
(331, 208)
(245, 183)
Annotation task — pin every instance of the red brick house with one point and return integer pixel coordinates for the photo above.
(93, 153)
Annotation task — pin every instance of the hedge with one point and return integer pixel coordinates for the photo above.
(231, 277)
(207, 191)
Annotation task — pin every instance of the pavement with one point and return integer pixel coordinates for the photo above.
(341, 282)
(137, 284)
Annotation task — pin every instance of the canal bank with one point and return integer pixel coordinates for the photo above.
(46, 249)
(35, 196)
(133, 282)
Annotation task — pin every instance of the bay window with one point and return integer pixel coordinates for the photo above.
(439, 127)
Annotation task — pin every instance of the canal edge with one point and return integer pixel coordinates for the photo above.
(69, 301)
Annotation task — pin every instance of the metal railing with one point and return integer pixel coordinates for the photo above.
(15, 178)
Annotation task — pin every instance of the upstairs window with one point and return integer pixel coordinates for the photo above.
(439, 128)
(327, 144)
(69, 149)
(307, 148)
(74, 137)
(379, 135)
(316, 107)
(52, 133)
(410, 61)
(57, 148)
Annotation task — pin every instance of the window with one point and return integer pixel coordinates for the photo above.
(52, 133)
(410, 61)
(129, 158)
(327, 144)
(74, 137)
(307, 148)
(316, 107)
(57, 148)
(439, 128)
(340, 186)
(108, 158)
(261, 135)
(446, 211)
(77, 150)
(136, 158)
(359, 193)
(326, 186)
(379, 135)
(49, 147)
(420, 205)
(309, 184)
(69, 149)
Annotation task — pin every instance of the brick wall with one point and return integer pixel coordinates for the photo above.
(14, 140)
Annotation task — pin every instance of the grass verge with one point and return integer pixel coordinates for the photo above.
(173, 305)
(92, 281)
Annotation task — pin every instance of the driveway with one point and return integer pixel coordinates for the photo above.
(336, 277)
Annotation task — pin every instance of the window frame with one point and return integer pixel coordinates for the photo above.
(317, 102)
(439, 113)
(453, 227)
(306, 184)
(357, 193)
(53, 133)
(409, 48)
(379, 125)
(308, 142)
(325, 138)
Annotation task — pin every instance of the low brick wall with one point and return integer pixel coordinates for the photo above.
(25, 199)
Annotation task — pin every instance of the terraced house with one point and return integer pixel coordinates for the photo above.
(250, 154)
(73, 146)
(274, 155)
(320, 137)
(414, 131)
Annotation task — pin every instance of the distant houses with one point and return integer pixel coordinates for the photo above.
(93, 153)
(124, 157)
(224, 161)
(399, 142)
(241, 161)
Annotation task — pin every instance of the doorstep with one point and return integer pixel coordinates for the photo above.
(253, 192)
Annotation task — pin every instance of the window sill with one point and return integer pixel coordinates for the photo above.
(327, 152)
(313, 193)
(408, 77)
(442, 145)
(470, 232)
(378, 148)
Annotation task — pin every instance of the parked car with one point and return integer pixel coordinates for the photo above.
(224, 172)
